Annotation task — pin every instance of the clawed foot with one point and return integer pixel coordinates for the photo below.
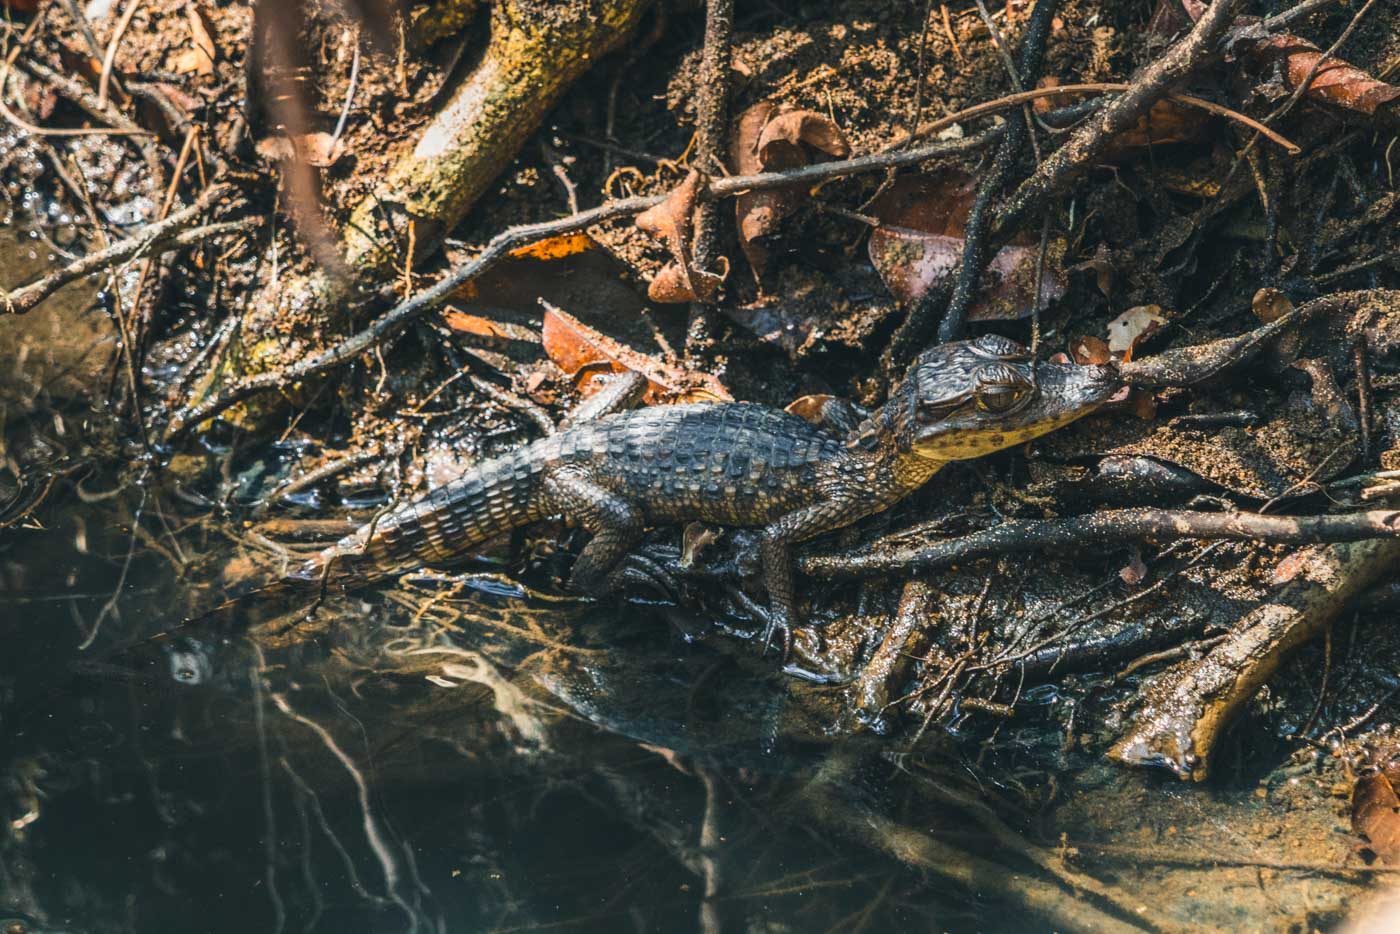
(774, 625)
(638, 571)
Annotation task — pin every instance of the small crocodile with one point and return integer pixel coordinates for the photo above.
(733, 464)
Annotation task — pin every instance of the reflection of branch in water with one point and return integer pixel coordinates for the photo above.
(110, 607)
(509, 700)
(373, 834)
(279, 911)
(314, 800)
(308, 873)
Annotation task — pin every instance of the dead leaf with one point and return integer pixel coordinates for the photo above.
(1375, 816)
(800, 127)
(1135, 571)
(919, 245)
(767, 140)
(1101, 265)
(1166, 122)
(1089, 350)
(671, 285)
(582, 353)
(671, 221)
(1270, 304)
(558, 247)
(809, 408)
(1293, 564)
(201, 58)
(1134, 326)
(1336, 82)
(757, 213)
(478, 326)
(315, 149)
(320, 149)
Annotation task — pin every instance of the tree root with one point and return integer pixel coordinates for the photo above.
(1189, 707)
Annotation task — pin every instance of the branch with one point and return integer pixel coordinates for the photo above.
(1089, 142)
(171, 231)
(712, 126)
(1187, 709)
(1109, 526)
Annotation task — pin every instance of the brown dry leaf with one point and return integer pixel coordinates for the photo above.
(203, 55)
(1135, 571)
(315, 149)
(766, 140)
(800, 127)
(1375, 815)
(1270, 304)
(1337, 82)
(920, 244)
(320, 149)
(1101, 265)
(809, 408)
(1293, 564)
(1166, 122)
(671, 221)
(758, 213)
(671, 285)
(1133, 326)
(583, 353)
(1088, 350)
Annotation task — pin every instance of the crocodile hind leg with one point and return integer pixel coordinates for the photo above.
(615, 523)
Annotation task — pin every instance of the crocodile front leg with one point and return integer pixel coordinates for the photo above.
(775, 550)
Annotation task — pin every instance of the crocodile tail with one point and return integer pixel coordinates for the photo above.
(493, 498)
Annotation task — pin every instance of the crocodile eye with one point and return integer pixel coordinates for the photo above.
(1001, 399)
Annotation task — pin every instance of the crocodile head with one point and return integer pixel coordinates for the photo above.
(967, 399)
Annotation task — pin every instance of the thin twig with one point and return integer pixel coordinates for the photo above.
(976, 249)
(174, 230)
(712, 126)
(110, 59)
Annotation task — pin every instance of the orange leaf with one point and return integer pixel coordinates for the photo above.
(478, 326)
(582, 353)
(1336, 82)
(1090, 350)
(555, 247)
